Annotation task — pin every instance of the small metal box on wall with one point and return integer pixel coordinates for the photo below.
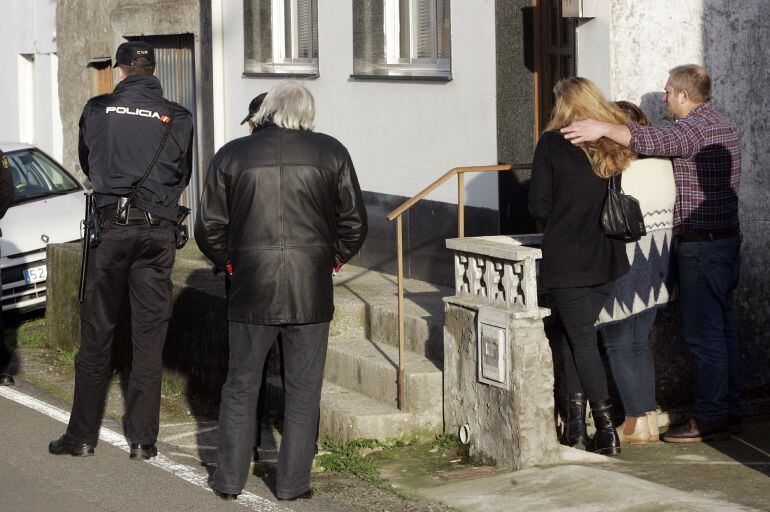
(578, 8)
(494, 361)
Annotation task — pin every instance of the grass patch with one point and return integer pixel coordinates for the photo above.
(446, 442)
(172, 387)
(349, 458)
(66, 356)
(28, 333)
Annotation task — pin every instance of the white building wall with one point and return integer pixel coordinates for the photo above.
(629, 47)
(29, 28)
(402, 135)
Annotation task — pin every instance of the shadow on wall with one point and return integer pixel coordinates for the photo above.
(653, 105)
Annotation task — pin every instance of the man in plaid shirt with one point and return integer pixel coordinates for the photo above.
(705, 152)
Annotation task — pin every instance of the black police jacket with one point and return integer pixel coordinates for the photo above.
(282, 206)
(119, 135)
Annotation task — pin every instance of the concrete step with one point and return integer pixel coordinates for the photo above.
(371, 368)
(366, 306)
(347, 415)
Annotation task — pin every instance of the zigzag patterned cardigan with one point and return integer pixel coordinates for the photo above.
(647, 284)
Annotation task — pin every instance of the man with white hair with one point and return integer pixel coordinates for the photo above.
(280, 208)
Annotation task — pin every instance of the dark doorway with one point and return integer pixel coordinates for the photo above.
(175, 57)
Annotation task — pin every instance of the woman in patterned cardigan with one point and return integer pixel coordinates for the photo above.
(627, 317)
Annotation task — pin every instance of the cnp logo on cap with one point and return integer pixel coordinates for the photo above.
(132, 50)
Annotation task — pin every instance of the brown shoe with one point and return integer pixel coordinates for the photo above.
(696, 431)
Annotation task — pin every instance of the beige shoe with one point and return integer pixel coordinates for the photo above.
(634, 431)
(652, 420)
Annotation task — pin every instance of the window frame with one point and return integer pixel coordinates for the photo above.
(280, 64)
(413, 67)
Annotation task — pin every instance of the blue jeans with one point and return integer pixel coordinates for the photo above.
(708, 273)
(631, 362)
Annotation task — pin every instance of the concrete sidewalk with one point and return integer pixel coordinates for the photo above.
(570, 487)
(723, 476)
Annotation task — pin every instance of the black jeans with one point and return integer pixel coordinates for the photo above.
(578, 309)
(304, 357)
(138, 258)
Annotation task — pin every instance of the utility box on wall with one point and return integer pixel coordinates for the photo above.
(578, 8)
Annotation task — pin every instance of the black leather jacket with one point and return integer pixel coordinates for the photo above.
(282, 206)
(121, 132)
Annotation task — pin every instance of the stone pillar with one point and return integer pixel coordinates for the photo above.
(505, 404)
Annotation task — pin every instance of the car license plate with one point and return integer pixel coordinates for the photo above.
(35, 274)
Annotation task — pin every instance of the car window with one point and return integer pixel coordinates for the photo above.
(35, 175)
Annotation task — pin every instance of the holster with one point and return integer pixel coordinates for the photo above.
(182, 233)
(121, 211)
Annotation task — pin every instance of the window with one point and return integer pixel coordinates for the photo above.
(401, 38)
(281, 36)
(100, 75)
(35, 176)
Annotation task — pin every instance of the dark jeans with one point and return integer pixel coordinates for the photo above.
(578, 309)
(304, 356)
(631, 362)
(138, 258)
(708, 272)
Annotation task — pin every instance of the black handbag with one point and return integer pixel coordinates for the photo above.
(622, 216)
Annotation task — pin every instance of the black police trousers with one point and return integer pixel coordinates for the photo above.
(139, 258)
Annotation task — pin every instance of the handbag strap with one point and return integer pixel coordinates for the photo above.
(135, 191)
(612, 184)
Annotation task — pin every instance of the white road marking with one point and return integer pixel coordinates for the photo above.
(191, 433)
(247, 499)
(760, 450)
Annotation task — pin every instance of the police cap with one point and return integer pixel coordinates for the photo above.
(129, 51)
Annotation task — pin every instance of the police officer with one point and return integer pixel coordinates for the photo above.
(7, 193)
(134, 145)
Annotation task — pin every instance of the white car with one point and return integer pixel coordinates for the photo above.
(48, 208)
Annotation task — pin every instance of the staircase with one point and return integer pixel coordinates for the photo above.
(358, 399)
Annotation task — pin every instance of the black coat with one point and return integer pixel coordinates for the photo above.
(282, 206)
(121, 132)
(567, 197)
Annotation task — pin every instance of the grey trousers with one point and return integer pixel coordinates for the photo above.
(304, 356)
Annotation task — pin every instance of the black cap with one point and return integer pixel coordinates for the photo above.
(254, 106)
(132, 50)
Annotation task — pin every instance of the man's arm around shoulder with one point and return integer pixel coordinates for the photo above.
(590, 130)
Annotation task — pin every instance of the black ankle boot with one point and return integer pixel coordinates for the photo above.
(575, 434)
(606, 441)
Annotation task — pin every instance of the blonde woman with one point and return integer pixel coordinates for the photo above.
(580, 263)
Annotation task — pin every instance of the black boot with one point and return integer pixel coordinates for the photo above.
(575, 434)
(606, 441)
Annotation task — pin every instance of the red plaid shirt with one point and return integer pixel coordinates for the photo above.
(706, 154)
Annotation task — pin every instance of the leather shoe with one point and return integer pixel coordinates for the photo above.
(227, 496)
(6, 380)
(66, 445)
(697, 430)
(142, 451)
(304, 496)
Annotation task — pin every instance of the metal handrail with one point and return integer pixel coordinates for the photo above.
(396, 214)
